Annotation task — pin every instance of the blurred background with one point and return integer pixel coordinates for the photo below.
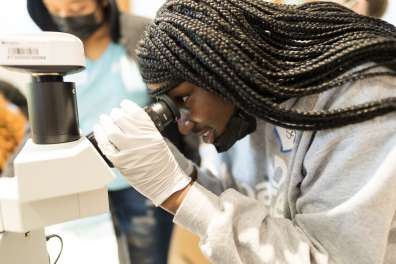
(15, 19)
(84, 245)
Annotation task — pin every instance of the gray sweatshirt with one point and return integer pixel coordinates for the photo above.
(284, 196)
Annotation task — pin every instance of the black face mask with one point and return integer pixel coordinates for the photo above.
(239, 125)
(80, 26)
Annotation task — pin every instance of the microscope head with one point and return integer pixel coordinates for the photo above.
(47, 56)
(44, 53)
(59, 176)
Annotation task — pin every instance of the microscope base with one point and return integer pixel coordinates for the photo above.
(27, 248)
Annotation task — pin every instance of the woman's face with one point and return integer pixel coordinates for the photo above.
(65, 8)
(202, 112)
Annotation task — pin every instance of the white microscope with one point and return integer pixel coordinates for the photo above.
(59, 175)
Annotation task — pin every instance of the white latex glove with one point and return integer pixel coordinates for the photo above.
(130, 140)
(184, 163)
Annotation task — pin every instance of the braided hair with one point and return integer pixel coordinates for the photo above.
(257, 55)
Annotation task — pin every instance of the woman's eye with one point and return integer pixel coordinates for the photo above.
(182, 99)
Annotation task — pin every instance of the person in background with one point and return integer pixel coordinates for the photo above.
(300, 102)
(13, 125)
(373, 8)
(110, 38)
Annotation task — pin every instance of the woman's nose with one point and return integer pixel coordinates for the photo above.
(184, 123)
(64, 13)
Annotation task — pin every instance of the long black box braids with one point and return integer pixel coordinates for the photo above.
(258, 54)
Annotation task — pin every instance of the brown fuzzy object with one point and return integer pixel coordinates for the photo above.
(377, 8)
(12, 129)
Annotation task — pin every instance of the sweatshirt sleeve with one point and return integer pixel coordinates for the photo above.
(234, 228)
(344, 209)
(214, 183)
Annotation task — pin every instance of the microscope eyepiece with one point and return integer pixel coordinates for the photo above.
(162, 112)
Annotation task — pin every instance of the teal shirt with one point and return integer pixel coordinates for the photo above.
(102, 86)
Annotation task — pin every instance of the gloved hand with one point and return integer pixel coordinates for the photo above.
(185, 164)
(130, 140)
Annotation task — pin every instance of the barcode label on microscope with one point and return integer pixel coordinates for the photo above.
(23, 51)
